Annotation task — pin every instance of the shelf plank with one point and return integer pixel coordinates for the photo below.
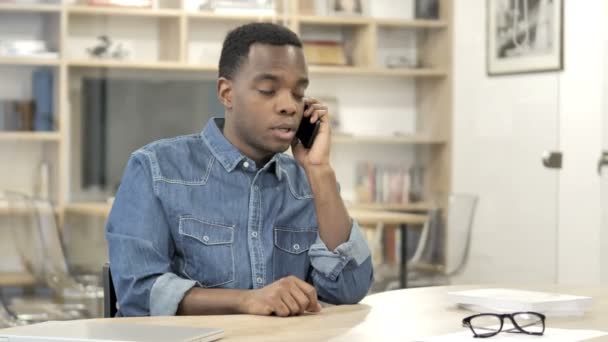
(328, 70)
(10, 279)
(416, 206)
(14, 60)
(334, 20)
(359, 71)
(414, 24)
(88, 208)
(209, 15)
(15, 7)
(29, 136)
(123, 11)
(373, 217)
(117, 64)
(413, 139)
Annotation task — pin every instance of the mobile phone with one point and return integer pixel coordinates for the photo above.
(307, 131)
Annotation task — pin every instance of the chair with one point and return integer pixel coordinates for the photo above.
(84, 289)
(34, 230)
(458, 227)
(430, 265)
(110, 306)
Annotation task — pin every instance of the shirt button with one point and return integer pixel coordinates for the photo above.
(296, 247)
(259, 280)
(246, 164)
(254, 234)
(205, 238)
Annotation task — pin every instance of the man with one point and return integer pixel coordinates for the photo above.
(222, 221)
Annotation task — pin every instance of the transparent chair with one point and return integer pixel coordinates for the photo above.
(83, 289)
(433, 250)
(34, 231)
(436, 261)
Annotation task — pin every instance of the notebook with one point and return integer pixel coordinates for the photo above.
(104, 331)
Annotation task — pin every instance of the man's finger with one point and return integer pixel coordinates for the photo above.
(311, 293)
(300, 298)
(291, 303)
(281, 309)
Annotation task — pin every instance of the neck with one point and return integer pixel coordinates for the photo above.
(251, 152)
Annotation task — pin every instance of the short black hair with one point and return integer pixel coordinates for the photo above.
(237, 43)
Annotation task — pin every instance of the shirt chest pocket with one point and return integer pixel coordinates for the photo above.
(208, 251)
(291, 251)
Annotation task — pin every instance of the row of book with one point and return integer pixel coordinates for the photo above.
(36, 114)
(392, 184)
(17, 115)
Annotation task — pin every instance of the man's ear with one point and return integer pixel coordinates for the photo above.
(224, 92)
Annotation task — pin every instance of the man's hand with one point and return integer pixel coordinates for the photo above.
(318, 154)
(288, 296)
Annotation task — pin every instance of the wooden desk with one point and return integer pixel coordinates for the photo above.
(390, 218)
(16, 279)
(372, 217)
(400, 315)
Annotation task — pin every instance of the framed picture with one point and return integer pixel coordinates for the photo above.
(346, 7)
(524, 36)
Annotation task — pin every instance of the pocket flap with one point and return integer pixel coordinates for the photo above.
(207, 233)
(294, 241)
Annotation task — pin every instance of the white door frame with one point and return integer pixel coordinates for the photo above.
(604, 172)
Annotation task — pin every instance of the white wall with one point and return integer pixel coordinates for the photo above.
(497, 150)
(533, 224)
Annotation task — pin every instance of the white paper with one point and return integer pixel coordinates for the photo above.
(510, 300)
(551, 334)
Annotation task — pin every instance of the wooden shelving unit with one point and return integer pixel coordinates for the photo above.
(415, 206)
(207, 15)
(101, 209)
(29, 61)
(433, 81)
(117, 11)
(397, 140)
(36, 8)
(30, 136)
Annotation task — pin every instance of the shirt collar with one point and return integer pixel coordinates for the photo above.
(226, 153)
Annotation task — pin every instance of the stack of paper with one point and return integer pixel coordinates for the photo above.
(553, 335)
(509, 300)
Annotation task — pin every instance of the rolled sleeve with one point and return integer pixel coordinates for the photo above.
(166, 294)
(344, 275)
(331, 263)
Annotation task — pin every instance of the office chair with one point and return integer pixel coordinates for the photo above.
(21, 220)
(424, 267)
(459, 228)
(110, 303)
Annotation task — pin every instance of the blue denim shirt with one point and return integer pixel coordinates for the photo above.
(193, 211)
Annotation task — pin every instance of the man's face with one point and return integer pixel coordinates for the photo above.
(266, 99)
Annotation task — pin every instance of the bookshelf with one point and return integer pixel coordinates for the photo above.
(30, 136)
(35, 8)
(173, 38)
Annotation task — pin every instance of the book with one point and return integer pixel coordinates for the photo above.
(501, 300)
(42, 87)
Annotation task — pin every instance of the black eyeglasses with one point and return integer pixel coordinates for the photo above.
(488, 325)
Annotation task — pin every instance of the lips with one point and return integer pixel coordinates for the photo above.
(284, 132)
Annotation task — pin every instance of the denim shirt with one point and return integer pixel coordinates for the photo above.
(193, 211)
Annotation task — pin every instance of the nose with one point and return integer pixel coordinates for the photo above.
(286, 105)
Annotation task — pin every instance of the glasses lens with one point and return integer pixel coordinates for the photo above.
(485, 325)
(529, 322)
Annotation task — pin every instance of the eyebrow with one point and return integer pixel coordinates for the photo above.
(274, 78)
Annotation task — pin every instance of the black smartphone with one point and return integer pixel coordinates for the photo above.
(307, 131)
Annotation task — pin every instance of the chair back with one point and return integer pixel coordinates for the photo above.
(110, 307)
